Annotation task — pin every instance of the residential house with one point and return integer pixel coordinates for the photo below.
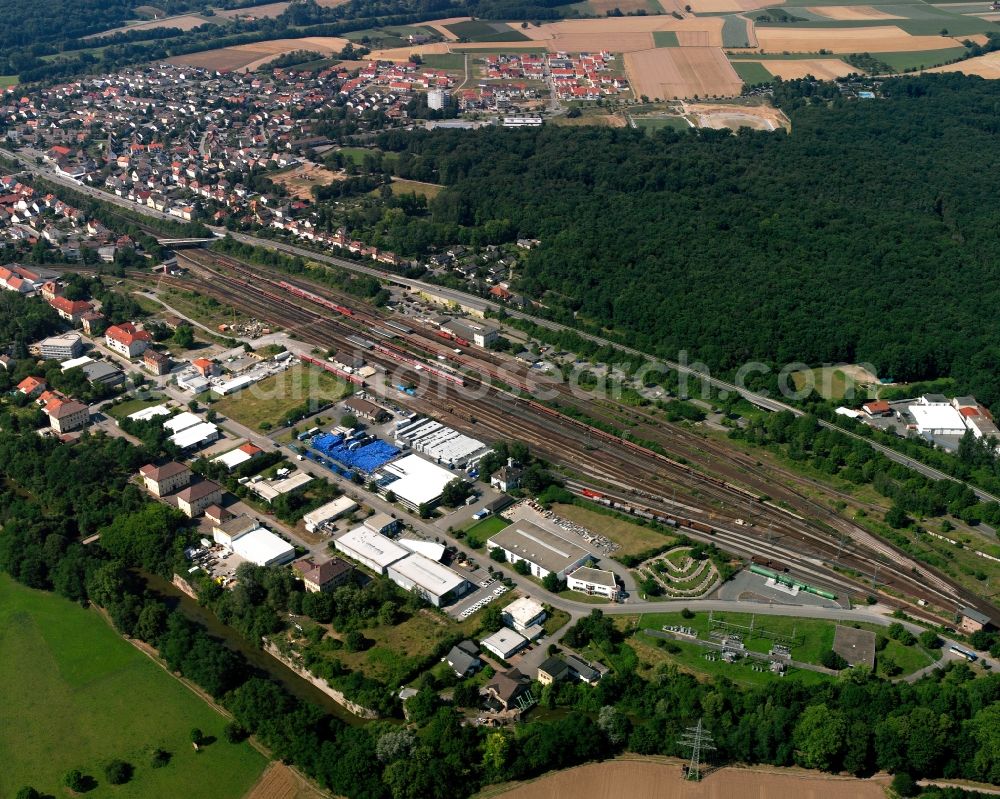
(127, 339)
(325, 575)
(67, 415)
(464, 658)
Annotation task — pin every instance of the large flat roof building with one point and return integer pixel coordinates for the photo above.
(415, 481)
(544, 551)
(371, 549)
(263, 547)
(593, 582)
(201, 433)
(436, 583)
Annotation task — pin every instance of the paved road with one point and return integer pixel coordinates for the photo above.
(473, 301)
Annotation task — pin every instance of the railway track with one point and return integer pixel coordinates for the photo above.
(597, 455)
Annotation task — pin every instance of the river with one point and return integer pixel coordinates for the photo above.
(176, 599)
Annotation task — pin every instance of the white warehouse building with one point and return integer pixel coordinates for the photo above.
(370, 549)
(436, 583)
(329, 512)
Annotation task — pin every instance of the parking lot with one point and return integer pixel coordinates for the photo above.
(216, 561)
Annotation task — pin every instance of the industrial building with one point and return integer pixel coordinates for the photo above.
(367, 410)
(935, 415)
(267, 490)
(225, 533)
(479, 334)
(263, 547)
(415, 481)
(182, 421)
(504, 643)
(151, 412)
(436, 583)
(195, 436)
(239, 456)
(439, 443)
(545, 552)
(370, 549)
(329, 512)
(103, 373)
(594, 582)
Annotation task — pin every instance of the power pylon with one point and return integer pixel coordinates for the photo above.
(698, 740)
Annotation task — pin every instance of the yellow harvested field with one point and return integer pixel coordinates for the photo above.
(625, 6)
(758, 117)
(269, 10)
(668, 73)
(729, 6)
(852, 13)
(694, 39)
(248, 57)
(440, 26)
(821, 68)
(184, 22)
(977, 38)
(876, 39)
(589, 42)
(617, 25)
(985, 66)
(403, 53)
(651, 780)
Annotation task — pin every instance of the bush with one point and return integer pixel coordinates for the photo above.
(498, 555)
(197, 736)
(27, 792)
(904, 785)
(118, 772)
(687, 614)
(832, 660)
(235, 733)
(930, 640)
(159, 758)
(77, 781)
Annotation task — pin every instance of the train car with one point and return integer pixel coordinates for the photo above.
(972, 657)
(768, 563)
(591, 494)
(460, 341)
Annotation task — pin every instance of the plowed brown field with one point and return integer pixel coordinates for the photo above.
(649, 780)
(668, 73)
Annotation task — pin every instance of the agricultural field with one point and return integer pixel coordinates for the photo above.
(7, 81)
(300, 179)
(485, 31)
(821, 68)
(77, 695)
(268, 401)
(752, 72)
(280, 782)
(871, 39)
(918, 59)
(665, 39)
(451, 62)
(184, 22)
(675, 72)
(649, 779)
(267, 11)
(853, 13)
(600, 120)
(248, 57)
(985, 66)
(632, 538)
(737, 32)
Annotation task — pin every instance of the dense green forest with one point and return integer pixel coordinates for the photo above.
(866, 234)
